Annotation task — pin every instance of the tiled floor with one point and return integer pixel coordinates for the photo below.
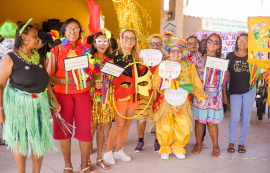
(256, 160)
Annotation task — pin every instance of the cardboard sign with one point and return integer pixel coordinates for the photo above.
(151, 57)
(259, 37)
(169, 69)
(217, 63)
(112, 69)
(176, 97)
(78, 62)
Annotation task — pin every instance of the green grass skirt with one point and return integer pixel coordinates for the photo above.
(27, 126)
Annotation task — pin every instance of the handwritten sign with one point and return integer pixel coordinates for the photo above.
(151, 57)
(217, 63)
(176, 97)
(169, 69)
(77, 62)
(112, 69)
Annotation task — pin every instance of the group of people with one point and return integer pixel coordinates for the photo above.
(90, 100)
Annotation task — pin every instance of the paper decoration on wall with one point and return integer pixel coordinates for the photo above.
(176, 97)
(258, 48)
(151, 57)
(169, 69)
(215, 71)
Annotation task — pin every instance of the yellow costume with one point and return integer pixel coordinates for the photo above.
(174, 122)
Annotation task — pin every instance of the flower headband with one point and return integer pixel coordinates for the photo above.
(155, 35)
(239, 33)
(192, 36)
(24, 26)
(165, 33)
(214, 33)
(107, 33)
(121, 32)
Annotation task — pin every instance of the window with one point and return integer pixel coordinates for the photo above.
(166, 5)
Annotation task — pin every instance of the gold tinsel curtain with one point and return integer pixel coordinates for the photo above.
(129, 14)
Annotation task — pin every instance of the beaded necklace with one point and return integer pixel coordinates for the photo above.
(99, 76)
(34, 59)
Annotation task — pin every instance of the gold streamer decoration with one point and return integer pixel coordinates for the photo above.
(128, 14)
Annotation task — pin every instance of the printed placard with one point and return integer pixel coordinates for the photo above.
(77, 62)
(217, 63)
(112, 69)
(176, 97)
(151, 57)
(169, 69)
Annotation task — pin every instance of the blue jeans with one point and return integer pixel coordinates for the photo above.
(245, 102)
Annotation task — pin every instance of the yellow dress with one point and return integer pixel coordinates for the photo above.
(175, 122)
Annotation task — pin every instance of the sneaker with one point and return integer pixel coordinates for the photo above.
(139, 147)
(153, 132)
(108, 158)
(204, 145)
(179, 156)
(156, 146)
(122, 155)
(164, 156)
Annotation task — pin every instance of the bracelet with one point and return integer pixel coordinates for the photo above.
(1, 108)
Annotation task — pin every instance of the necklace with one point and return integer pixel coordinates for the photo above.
(99, 76)
(79, 50)
(34, 59)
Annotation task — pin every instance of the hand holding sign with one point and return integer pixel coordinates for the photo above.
(151, 57)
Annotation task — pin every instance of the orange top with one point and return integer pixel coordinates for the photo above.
(60, 73)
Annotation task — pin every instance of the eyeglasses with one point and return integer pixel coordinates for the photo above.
(73, 29)
(214, 42)
(102, 41)
(192, 43)
(242, 41)
(129, 38)
(176, 51)
(155, 44)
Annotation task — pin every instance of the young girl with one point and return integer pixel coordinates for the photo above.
(174, 122)
(102, 107)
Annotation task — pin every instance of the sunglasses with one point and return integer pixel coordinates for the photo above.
(102, 41)
(214, 42)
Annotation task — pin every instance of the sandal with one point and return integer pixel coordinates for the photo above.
(2, 141)
(197, 149)
(231, 148)
(215, 152)
(241, 149)
(69, 169)
(88, 168)
(103, 164)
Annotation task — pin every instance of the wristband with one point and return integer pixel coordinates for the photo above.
(1, 108)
